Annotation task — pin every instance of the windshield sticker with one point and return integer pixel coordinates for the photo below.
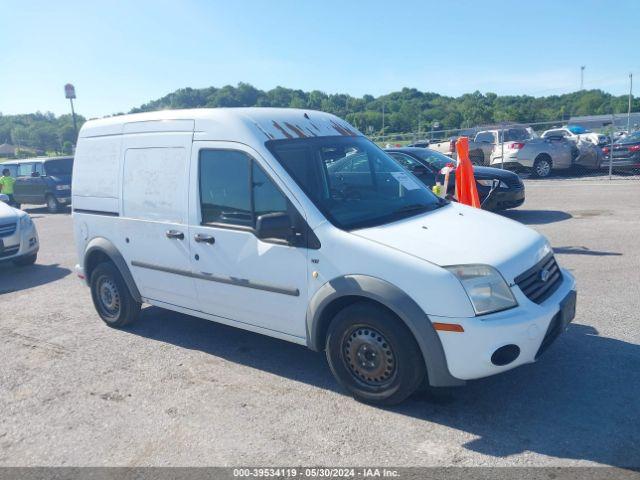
(405, 180)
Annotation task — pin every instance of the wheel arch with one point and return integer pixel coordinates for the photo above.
(544, 155)
(100, 249)
(340, 292)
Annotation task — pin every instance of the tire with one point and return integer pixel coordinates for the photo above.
(111, 297)
(26, 260)
(477, 157)
(52, 204)
(373, 355)
(542, 166)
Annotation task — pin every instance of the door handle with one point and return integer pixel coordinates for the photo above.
(175, 234)
(200, 238)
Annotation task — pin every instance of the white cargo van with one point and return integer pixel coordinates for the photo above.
(292, 224)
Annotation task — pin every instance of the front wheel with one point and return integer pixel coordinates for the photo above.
(373, 355)
(111, 297)
(52, 204)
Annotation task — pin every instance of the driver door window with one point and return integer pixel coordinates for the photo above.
(235, 190)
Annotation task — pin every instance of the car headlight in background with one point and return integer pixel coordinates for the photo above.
(25, 222)
(486, 288)
(63, 187)
(489, 183)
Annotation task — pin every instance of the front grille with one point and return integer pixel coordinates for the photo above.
(532, 284)
(8, 251)
(7, 229)
(514, 182)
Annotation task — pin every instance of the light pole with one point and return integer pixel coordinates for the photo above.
(70, 93)
(630, 96)
(582, 77)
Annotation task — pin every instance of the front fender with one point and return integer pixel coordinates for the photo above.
(396, 300)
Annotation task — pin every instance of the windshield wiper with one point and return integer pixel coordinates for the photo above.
(413, 208)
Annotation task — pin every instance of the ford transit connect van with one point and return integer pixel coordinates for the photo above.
(249, 217)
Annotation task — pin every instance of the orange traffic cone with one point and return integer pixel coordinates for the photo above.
(466, 189)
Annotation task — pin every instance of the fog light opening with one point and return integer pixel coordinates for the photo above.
(505, 355)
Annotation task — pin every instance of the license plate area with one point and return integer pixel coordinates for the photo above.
(568, 308)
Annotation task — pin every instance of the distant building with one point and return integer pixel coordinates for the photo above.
(7, 150)
(599, 121)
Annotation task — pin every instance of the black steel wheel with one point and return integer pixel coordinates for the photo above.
(369, 356)
(373, 354)
(111, 297)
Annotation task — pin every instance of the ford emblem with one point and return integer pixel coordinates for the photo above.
(544, 274)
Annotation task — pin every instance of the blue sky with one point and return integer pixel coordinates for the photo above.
(120, 54)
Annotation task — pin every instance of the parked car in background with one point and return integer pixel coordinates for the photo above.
(44, 181)
(575, 133)
(18, 237)
(498, 189)
(542, 156)
(626, 152)
(419, 144)
(485, 146)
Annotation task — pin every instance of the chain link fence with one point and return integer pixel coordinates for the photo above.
(579, 148)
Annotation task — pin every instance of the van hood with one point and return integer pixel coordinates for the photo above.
(457, 234)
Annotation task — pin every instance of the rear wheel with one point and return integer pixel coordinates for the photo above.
(111, 297)
(52, 204)
(477, 157)
(373, 355)
(542, 166)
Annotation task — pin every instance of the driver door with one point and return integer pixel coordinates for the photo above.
(238, 276)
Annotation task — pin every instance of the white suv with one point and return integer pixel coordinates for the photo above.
(292, 224)
(18, 236)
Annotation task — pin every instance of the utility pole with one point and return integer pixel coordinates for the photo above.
(582, 77)
(630, 96)
(383, 118)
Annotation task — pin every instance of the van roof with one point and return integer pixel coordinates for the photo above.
(231, 124)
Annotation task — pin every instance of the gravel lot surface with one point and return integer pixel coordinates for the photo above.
(177, 390)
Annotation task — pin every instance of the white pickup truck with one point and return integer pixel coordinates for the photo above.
(486, 145)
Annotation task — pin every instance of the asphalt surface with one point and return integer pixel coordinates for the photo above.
(177, 390)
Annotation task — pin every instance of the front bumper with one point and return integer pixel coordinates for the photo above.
(632, 162)
(469, 353)
(20, 244)
(63, 198)
(503, 199)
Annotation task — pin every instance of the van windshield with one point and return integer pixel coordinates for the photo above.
(353, 182)
(62, 166)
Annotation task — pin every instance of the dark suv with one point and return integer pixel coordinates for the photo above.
(44, 181)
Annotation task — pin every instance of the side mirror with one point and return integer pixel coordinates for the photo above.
(274, 225)
(4, 198)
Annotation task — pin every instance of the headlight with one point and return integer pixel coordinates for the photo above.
(63, 187)
(485, 287)
(489, 183)
(25, 222)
